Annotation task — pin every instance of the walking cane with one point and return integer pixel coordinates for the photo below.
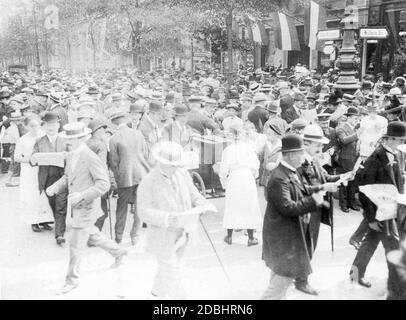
(109, 213)
(214, 249)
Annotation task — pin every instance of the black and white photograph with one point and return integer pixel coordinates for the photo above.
(202, 150)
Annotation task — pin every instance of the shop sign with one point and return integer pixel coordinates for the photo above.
(373, 33)
(333, 34)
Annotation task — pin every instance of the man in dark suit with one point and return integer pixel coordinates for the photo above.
(382, 167)
(295, 112)
(315, 179)
(197, 120)
(57, 107)
(48, 175)
(128, 161)
(286, 245)
(348, 139)
(330, 149)
(259, 115)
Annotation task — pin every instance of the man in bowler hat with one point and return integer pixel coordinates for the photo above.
(286, 245)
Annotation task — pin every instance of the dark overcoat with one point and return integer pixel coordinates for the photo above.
(285, 247)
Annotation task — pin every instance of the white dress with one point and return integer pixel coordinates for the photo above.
(242, 209)
(32, 210)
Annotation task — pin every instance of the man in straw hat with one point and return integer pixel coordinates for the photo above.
(171, 215)
(286, 246)
(86, 178)
(128, 160)
(382, 167)
(315, 179)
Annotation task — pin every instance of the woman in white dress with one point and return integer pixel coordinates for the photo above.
(238, 171)
(29, 191)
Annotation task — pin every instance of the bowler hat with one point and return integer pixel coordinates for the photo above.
(50, 117)
(137, 107)
(180, 110)
(92, 90)
(155, 106)
(292, 143)
(96, 124)
(396, 129)
(298, 96)
(311, 96)
(366, 85)
(352, 112)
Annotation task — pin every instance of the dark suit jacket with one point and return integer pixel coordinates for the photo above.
(61, 112)
(312, 177)
(99, 148)
(200, 122)
(258, 116)
(47, 175)
(128, 157)
(285, 246)
(348, 144)
(291, 115)
(377, 171)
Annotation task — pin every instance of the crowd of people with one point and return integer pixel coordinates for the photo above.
(78, 139)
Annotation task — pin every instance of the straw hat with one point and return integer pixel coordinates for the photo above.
(169, 153)
(75, 130)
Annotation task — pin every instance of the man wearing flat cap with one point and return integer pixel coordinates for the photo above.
(48, 175)
(286, 246)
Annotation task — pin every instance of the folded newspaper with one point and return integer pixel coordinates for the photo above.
(386, 197)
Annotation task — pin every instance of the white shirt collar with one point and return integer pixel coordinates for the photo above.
(287, 165)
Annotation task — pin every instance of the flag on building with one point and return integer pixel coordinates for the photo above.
(315, 20)
(285, 32)
(256, 30)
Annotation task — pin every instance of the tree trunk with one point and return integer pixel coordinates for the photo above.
(229, 22)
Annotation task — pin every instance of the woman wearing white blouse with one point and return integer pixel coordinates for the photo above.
(238, 171)
(29, 191)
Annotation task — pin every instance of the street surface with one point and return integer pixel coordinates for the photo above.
(33, 266)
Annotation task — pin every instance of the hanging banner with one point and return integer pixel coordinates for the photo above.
(51, 13)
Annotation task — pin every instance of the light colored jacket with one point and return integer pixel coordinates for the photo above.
(89, 177)
(156, 200)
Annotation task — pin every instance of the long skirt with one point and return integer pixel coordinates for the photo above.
(242, 209)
